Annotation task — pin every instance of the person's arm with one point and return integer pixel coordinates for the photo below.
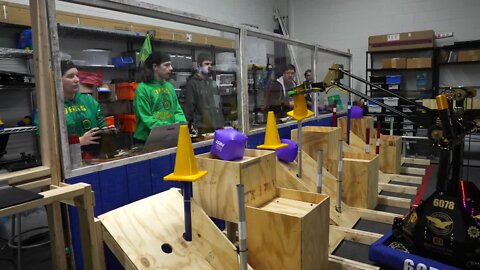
(219, 104)
(177, 109)
(190, 102)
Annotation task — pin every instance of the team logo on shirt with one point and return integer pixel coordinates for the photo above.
(75, 108)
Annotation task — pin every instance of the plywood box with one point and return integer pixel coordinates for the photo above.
(358, 127)
(360, 180)
(321, 138)
(402, 41)
(396, 62)
(217, 191)
(420, 62)
(289, 232)
(390, 154)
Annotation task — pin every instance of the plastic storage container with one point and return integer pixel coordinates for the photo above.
(96, 57)
(393, 86)
(125, 91)
(127, 122)
(393, 79)
(122, 61)
(374, 108)
(390, 101)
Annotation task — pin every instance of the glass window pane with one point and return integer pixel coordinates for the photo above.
(189, 78)
(274, 67)
(325, 100)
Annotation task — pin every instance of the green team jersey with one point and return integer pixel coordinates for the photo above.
(155, 104)
(82, 113)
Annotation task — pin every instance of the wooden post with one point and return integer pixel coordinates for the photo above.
(321, 138)
(46, 100)
(360, 183)
(357, 126)
(87, 230)
(390, 154)
(216, 192)
(45, 90)
(289, 232)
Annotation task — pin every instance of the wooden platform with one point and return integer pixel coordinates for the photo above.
(147, 234)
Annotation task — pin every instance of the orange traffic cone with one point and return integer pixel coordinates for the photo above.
(185, 163)
(272, 139)
(300, 110)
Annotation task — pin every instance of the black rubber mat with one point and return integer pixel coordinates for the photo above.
(372, 226)
(353, 251)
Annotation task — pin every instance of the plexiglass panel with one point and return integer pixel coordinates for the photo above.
(190, 77)
(334, 95)
(274, 67)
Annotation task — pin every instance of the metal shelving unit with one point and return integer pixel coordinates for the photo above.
(407, 86)
(14, 130)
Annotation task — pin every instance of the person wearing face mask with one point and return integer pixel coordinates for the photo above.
(276, 97)
(202, 99)
(155, 102)
(82, 112)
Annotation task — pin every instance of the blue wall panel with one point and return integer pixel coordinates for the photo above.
(139, 180)
(114, 188)
(160, 167)
(91, 179)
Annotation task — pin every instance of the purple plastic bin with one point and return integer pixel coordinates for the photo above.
(228, 144)
(288, 153)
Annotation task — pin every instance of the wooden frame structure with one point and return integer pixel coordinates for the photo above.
(342, 223)
(79, 195)
(49, 174)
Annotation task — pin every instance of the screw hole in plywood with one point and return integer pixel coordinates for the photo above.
(167, 248)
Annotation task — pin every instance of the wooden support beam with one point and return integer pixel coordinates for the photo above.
(339, 263)
(87, 229)
(358, 236)
(82, 195)
(406, 178)
(394, 201)
(398, 188)
(49, 197)
(374, 215)
(414, 171)
(101, 253)
(25, 175)
(416, 161)
(45, 89)
(54, 215)
(36, 184)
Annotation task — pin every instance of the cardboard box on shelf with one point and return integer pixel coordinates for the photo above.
(468, 55)
(402, 41)
(394, 62)
(87, 88)
(420, 62)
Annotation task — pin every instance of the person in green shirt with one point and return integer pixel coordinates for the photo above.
(82, 112)
(155, 102)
